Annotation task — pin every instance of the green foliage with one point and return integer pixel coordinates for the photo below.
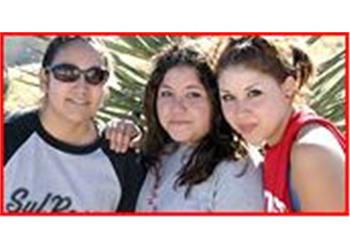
(328, 90)
(132, 61)
(132, 58)
(6, 83)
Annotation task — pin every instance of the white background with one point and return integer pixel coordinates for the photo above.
(185, 233)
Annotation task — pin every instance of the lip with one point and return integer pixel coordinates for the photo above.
(78, 102)
(179, 122)
(247, 128)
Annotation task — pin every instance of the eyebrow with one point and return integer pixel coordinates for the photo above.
(187, 87)
(245, 89)
(251, 86)
(224, 90)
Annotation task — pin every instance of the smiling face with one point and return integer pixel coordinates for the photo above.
(73, 102)
(255, 104)
(183, 106)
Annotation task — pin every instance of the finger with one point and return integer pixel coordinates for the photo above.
(134, 130)
(118, 137)
(127, 137)
(107, 133)
(136, 140)
(125, 145)
(108, 130)
(115, 130)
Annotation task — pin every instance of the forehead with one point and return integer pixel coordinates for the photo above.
(182, 77)
(80, 53)
(242, 77)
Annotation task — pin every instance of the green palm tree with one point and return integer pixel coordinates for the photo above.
(132, 60)
(328, 90)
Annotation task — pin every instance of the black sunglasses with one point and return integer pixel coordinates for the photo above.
(71, 73)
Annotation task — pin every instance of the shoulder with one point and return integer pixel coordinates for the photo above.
(127, 164)
(239, 171)
(131, 175)
(20, 124)
(21, 120)
(316, 134)
(316, 145)
(18, 128)
(120, 160)
(317, 169)
(238, 186)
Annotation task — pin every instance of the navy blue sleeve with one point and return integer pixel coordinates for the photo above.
(134, 175)
(131, 175)
(18, 128)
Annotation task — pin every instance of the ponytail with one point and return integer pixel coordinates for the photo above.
(303, 66)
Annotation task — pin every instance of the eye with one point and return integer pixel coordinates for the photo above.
(254, 93)
(165, 93)
(194, 94)
(227, 97)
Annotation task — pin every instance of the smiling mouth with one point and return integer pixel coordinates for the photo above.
(247, 129)
(78, 102)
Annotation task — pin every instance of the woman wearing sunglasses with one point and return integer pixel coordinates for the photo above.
(55, 159)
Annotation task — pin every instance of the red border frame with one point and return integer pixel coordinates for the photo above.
(345, 34)
(2, 140)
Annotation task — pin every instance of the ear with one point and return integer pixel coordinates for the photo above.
(289, 87)
(44, 80)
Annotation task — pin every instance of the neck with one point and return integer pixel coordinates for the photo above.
(69, 132)
(278, 133)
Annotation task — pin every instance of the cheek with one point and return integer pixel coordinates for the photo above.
(228, 111)
(268, 107)
(55, 92)
(99, 94)
(202, 113)
(162, 111)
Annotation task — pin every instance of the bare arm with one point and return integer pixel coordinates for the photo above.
(318, 172)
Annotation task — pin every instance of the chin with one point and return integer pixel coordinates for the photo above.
(79, 119)
(178, 138)
(257, 142)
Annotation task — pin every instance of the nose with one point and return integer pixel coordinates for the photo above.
(81, 87)
(241, 108)
(81, 81)
(179, 104)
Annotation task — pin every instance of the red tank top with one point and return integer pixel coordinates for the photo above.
(276, 163)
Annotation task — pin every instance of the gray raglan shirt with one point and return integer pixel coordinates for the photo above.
(222, 191)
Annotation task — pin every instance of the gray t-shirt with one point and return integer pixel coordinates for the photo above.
(44, 174)
(222, 191)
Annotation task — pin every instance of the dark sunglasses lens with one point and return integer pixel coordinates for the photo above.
(96, 75)
(66, 72)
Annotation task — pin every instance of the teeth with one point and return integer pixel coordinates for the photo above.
(79, 102)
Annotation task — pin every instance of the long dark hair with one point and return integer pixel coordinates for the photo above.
(221, 143)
